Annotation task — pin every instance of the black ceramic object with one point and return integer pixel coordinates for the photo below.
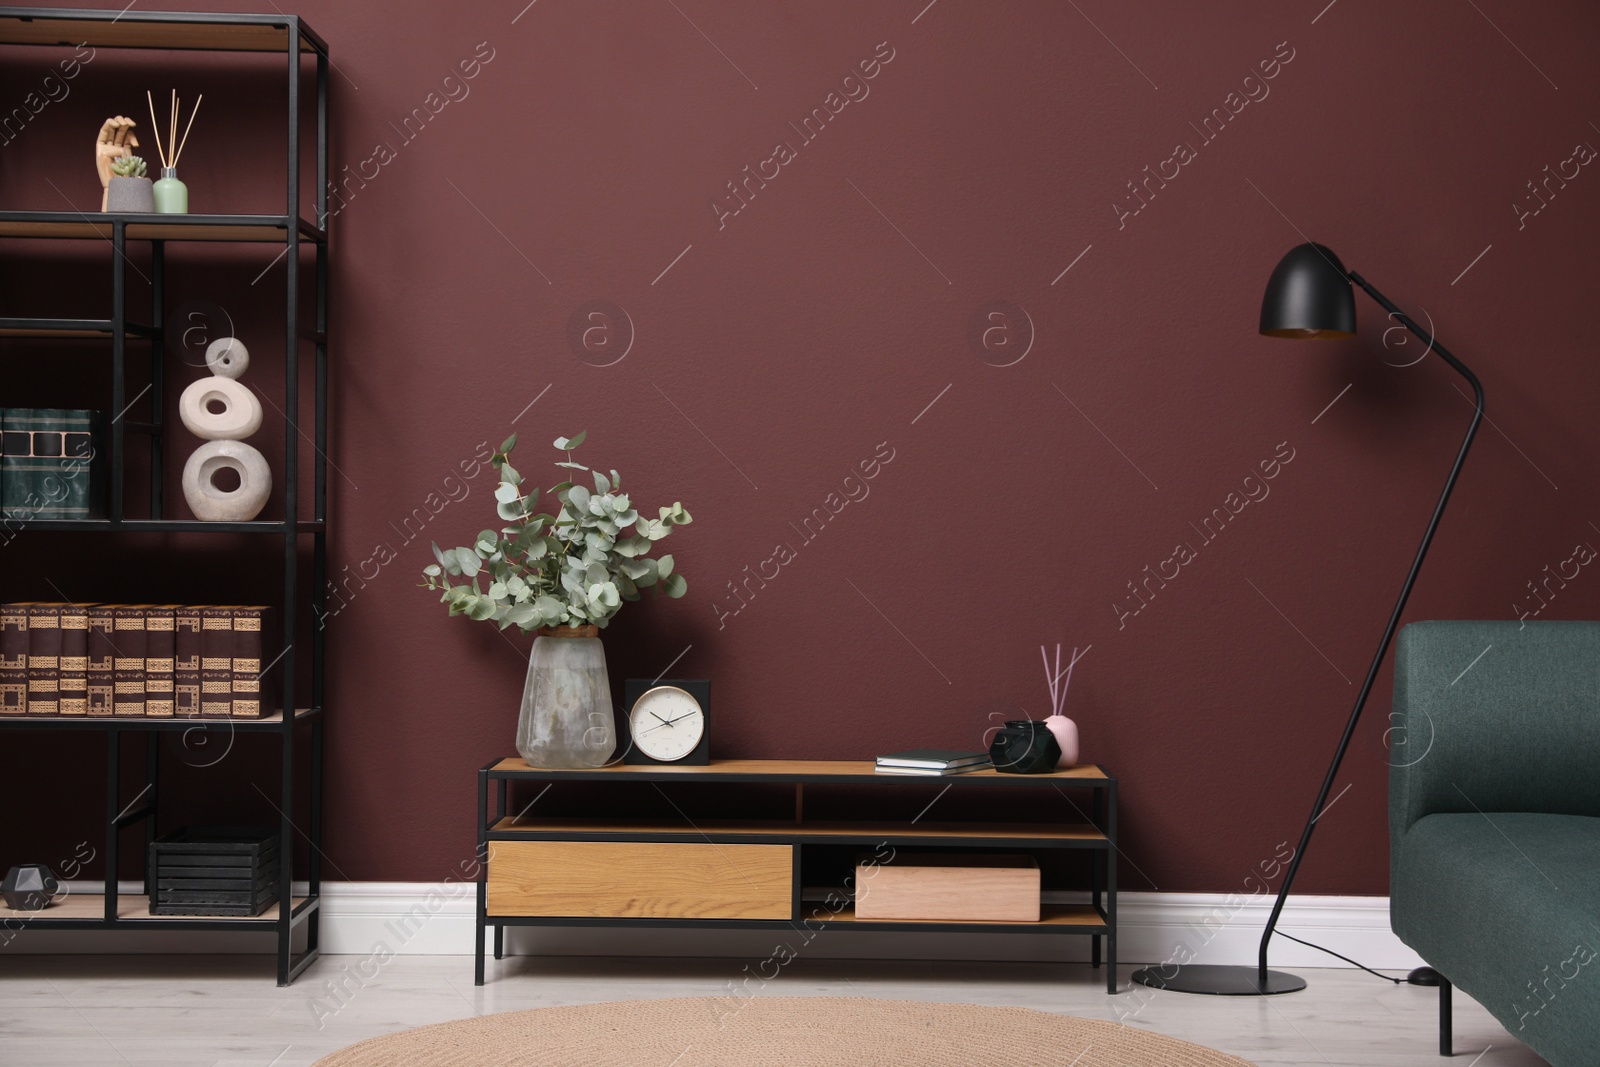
(29, 887)
(1022, 746)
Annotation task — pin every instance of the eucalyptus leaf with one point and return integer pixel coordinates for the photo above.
(602, 484)
(664, 565)
(509, 444)
(674, 586)
(567, 444)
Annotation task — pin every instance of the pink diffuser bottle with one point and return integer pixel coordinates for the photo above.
(1064, 729)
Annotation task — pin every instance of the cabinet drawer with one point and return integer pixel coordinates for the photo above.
(640, 880)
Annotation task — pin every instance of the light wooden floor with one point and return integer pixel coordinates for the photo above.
(225, 1011)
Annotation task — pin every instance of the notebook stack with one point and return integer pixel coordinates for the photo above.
(932, 762)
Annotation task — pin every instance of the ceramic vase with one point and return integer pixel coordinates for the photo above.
(171, 195)
(1066, 734)
(566, 719)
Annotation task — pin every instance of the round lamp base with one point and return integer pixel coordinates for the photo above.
(1219, 981)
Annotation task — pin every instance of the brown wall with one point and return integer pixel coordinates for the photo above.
(775, 349)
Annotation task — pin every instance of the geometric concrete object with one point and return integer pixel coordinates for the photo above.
(228, 357)
(218, 408)
(210, 502)
(29, 887)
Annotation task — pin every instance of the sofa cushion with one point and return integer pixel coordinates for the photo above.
(1506, 905)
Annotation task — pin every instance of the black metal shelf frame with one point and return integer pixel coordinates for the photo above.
(494, 779)
(217, 33)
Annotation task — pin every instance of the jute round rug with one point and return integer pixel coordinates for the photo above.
(775, 1032)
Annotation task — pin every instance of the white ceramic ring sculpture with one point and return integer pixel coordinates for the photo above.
(228, 358)
(213, 504)
(239, 417)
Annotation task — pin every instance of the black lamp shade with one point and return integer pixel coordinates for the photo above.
(1308, 296)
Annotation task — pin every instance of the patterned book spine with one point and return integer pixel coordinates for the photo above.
(127, 668)
(102, 660)
(216, 662)
(186, 665)
(16, 480)
(247, 648)
(78, 464)
(160, 656)
(13, 659)
(44, 659)
(74, 687)
(54, 450)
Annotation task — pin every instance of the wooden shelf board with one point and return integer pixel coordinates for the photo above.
(254, 526)
(145, 720)
(70, 334)
(1050, 915)
(801, 769)
(134, 32)
(777, 828)
(91, 907)
(45, 224)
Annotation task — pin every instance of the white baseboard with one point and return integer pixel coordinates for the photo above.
(363, 918)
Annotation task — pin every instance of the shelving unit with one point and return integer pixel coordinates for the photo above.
(298, 730)
(755, 874)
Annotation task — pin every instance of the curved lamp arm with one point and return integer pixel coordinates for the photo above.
(1394, 617)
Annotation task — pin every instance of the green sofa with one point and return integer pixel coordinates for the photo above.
(1494, 822)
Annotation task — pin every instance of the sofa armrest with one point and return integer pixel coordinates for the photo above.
(1494, 716)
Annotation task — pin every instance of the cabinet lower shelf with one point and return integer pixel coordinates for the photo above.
(88, 910)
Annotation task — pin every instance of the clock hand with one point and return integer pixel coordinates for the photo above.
(659, 719)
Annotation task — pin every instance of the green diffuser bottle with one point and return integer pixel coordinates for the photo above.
(172, 196)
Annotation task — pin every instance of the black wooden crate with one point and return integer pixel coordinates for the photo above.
(214, 870)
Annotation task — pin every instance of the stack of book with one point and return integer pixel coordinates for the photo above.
(131, 660)
(50, 464)
(932, 762)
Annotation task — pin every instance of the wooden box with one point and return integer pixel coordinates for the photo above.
(214, 870)
(949, 888)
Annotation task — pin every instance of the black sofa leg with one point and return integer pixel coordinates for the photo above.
(1444, 1016)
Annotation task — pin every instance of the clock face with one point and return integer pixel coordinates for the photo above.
(667, 723)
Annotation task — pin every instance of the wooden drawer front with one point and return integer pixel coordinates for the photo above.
(640, 880)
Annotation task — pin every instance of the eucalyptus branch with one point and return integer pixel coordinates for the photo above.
(539, 580)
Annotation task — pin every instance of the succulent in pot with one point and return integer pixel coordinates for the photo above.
(128, 188)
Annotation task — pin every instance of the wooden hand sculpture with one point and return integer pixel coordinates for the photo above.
(116, 140)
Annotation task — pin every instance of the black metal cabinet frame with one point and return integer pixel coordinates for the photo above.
(299, 731)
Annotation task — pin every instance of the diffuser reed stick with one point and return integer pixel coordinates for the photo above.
(176, 155)
(155, 127)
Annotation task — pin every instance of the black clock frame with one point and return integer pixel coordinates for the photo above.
(699, 689)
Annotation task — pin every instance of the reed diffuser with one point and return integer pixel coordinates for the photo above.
(1064, 729)
(171, 195)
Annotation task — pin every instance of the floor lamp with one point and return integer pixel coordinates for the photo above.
(1309, 297)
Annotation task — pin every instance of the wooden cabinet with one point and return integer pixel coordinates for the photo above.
(748, 856)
